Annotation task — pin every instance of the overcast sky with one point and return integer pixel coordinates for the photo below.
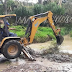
(34, 1)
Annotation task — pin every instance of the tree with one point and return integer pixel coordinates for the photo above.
(48, 1)
(1, 9)
(55, 8)
(38, 8)
(21, 11)
(60, 2)
(52, 0)
(10, 5)
(40, 1)
(4, 2)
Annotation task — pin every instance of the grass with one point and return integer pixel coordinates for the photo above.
(19, 30)
(43, 34)
(45, 31)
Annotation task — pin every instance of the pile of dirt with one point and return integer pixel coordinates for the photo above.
(51, 50)
(30, 68)
(61, 57)
(52, 54)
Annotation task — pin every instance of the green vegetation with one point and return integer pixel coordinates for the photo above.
(25, 9)
(56, 6)
(56, 9)
(66, 29)
(43, 34)
(44, 31)
(71, 33)
(19, 30)
(38, 8)
(21, 11)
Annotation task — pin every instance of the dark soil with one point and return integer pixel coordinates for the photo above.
(30, 68)
(52, 54)
(60, 58)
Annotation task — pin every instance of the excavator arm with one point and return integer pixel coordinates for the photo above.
(34, 23)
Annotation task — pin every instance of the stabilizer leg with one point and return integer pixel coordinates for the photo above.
(27, 54)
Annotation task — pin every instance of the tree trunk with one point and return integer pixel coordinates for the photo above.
(52, 0)
(40, 2)
(5, 7)
(60, 2)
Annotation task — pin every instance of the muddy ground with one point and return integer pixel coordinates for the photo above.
(47, 59)
(30, 68)
(49, 63)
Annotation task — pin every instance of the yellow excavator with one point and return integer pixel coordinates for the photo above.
(11, 47)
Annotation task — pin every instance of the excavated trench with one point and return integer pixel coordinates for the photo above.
(49, 58)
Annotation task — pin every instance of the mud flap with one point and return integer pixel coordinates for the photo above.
(59, 39)
(28, 54)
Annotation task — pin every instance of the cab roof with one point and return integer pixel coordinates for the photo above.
(8, 15)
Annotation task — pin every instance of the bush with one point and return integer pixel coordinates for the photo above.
(56, 9)
(19, 30)
(38, 8)
(1, 10)
(30, 10)
(43, 34)
(66, 29)
(21, 11)
(71, 33)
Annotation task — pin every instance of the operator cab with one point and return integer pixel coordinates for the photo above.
(4, 32)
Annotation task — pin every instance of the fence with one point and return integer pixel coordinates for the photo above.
(58, 19)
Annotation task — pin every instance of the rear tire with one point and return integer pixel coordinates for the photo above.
(12, 49)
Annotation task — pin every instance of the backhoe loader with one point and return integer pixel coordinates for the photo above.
(11, 47)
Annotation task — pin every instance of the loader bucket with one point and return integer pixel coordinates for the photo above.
(59, 39)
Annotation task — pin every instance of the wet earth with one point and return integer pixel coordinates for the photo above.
(41, 64)
(53, 60)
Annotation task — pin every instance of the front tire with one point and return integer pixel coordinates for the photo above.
(12, 49)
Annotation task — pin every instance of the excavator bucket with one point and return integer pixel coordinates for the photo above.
(59, 39)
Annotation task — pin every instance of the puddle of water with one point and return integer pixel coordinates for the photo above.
(5, 63)
(41, 61)
(66, 46)
(66, 51)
